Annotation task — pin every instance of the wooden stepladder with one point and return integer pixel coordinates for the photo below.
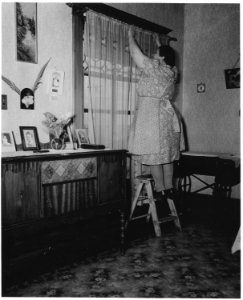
(143, 197)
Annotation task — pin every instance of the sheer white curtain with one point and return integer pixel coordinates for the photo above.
(110, 86)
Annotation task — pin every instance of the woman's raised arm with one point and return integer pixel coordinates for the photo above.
(135, 52)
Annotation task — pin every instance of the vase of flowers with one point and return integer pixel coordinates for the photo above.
(57, 129)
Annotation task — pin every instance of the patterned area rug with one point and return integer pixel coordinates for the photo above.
(194, 263)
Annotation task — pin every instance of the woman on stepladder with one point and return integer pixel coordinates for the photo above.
(156, 137)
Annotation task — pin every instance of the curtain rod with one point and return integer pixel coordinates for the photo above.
(80, 8)
(138, 29)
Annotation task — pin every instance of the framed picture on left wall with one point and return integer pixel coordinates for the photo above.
(7, 142)
(26, 32)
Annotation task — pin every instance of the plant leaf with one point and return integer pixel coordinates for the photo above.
(50, 117)
(38, 79)
(11, 84)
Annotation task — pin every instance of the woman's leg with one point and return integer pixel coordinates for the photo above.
(170, 192)
(168, 171)
(158, 176)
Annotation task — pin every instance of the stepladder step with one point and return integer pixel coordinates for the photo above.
(168, 219)
(139, 217)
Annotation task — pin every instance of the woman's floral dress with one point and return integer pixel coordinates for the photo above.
(156, 132)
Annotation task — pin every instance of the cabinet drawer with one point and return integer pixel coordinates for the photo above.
(68, 170)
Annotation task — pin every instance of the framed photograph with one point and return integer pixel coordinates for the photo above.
(26, 32)
(55, 84)
(29, 138)
(7, 142)
(82, 136)
(232, 78)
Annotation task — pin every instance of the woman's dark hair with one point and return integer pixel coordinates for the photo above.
(169, 55)
(26, 92)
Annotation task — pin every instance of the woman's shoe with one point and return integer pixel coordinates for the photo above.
(157, 195)
(161, 203)
(172, 194)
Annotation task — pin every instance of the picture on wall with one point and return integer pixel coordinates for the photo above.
(232, 78)
(29, 138)
(26, 31)
(56, 80)
(7, 142)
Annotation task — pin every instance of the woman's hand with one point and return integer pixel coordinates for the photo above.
(156, 37)
(135, 51)
(130, 31)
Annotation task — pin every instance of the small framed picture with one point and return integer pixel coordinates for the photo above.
(56, 80)
(82, 136)
(7, 142)
(232, 78)
(29, 138)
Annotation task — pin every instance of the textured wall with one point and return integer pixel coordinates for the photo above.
(54, 34)
(211, 44)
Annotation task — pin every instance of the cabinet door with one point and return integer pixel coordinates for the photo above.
(111, 178)
(19, 194)
(68, 186)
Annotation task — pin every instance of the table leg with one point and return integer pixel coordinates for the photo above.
(122, 231)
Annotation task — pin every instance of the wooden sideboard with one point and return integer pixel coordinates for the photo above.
(44, 190)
